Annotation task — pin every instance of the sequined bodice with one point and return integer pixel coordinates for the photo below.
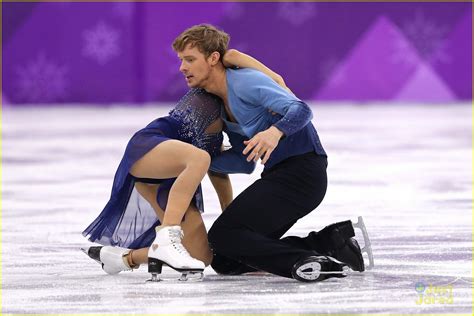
(195, 112)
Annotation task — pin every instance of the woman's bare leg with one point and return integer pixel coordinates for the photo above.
(172, 159)
(195, 235)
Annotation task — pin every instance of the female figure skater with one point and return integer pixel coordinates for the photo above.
(164, 163)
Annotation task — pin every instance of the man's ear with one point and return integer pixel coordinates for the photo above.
(214, 58)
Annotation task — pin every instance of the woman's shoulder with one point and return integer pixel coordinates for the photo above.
(200, 93)
(199, 99)
(198, 103)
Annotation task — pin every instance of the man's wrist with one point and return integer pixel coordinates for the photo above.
(277, 132)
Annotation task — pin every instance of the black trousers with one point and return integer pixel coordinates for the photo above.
(248, 232)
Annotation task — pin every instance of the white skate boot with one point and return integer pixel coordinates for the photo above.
(168, 249)
(112, 259)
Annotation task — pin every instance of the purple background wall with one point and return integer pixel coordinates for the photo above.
(121, 52)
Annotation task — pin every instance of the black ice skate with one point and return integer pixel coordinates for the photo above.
(351, 254)
(342, 244)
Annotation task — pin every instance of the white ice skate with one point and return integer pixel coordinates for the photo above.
(167, 249)
(112, 259)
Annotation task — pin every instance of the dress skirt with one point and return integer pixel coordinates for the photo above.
(128, 220)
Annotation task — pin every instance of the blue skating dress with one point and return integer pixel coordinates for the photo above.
(128, 220)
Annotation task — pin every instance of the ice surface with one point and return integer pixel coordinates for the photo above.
(405, 168)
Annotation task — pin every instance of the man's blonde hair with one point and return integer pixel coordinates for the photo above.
(207, 38)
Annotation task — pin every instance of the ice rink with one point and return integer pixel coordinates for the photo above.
(405, 168)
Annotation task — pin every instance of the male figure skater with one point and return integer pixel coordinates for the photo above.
(293, 183)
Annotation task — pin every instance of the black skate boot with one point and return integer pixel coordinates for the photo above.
(318, 268)
(349, 253)
(338, 242)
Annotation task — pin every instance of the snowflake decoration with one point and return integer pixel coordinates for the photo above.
(296, 13)
(101, 43)
(423, 34)
(41, 81)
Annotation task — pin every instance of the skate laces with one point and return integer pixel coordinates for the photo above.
(176, 235)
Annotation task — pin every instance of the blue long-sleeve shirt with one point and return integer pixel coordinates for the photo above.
(251, 96)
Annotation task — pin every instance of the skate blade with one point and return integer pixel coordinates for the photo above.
(185, 277)
(345, 271)
(191, 277)
(154, 278)
(367, 244)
